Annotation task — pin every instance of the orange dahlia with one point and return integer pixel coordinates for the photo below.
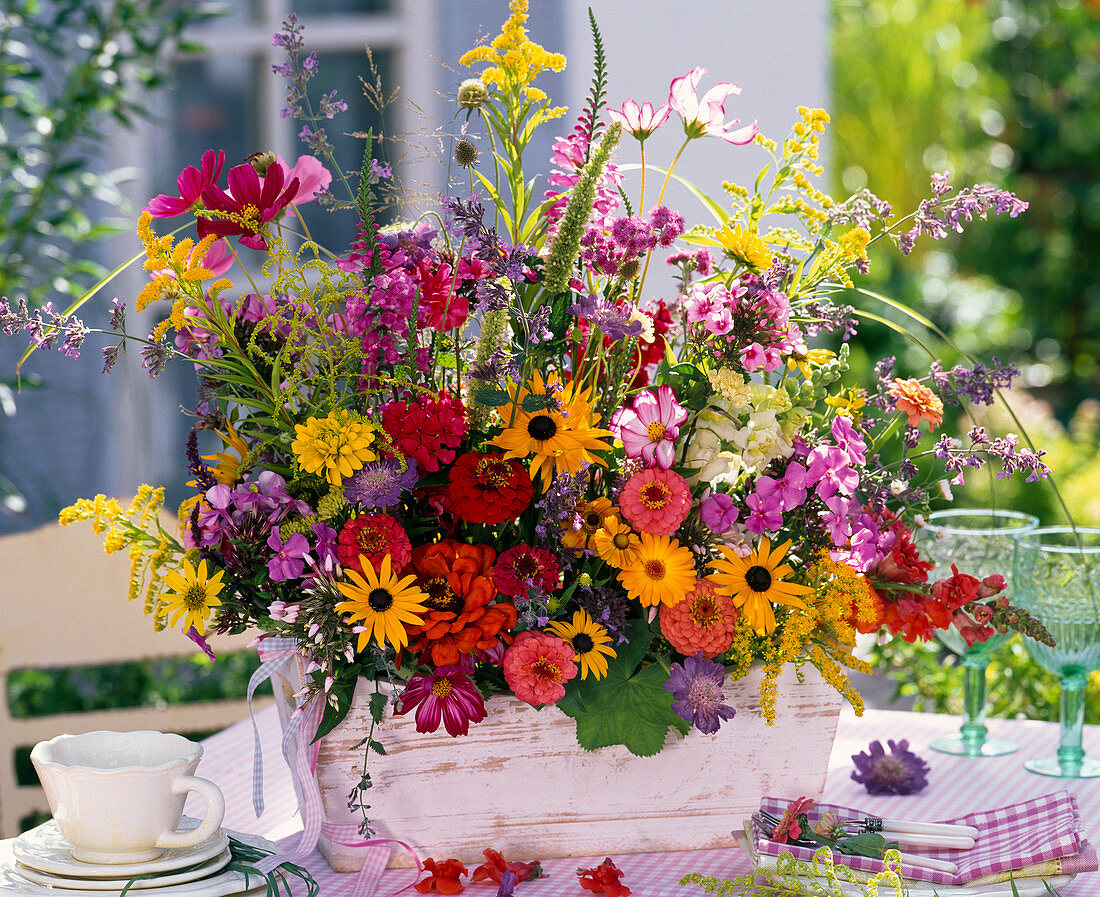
(703, 621)
(461, 616)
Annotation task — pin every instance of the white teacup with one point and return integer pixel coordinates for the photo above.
(118, 797)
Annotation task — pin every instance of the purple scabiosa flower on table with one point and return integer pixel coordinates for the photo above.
(898, 772)
(696, 687)
(380, 483)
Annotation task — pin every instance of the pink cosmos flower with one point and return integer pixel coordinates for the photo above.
(704, 117)
(191, 182)
(252, 204)
(446, 695)
(651, 426)
(640, 121)
(656, 501)
(537, 666)
(312, 177)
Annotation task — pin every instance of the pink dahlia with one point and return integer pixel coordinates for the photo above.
(656, 501)
(537, 666)
(651, 426)
(522, 567)
(446, 695)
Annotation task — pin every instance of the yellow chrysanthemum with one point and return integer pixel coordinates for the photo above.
(192, 596)
(616, 543)
(384, 603)
(744, 246)
(756, 582)
(515, 60)
(333, 447)
(663, 572)
(589, 639)
(559, 439)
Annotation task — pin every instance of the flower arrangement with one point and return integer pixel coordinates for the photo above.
(473, 454)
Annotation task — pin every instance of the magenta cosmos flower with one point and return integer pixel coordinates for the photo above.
(651, 426)
(447, 695)
(705, 117)
(251, 204)
(191, 183)
(641, 121)
(312, 177)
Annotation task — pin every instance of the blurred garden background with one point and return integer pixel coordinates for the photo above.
(1002, 91)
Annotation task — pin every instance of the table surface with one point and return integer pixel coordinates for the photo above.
(957, 785)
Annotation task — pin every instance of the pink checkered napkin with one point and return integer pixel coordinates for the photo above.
(1046, 828)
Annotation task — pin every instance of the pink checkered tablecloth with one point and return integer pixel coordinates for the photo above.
(957, 786)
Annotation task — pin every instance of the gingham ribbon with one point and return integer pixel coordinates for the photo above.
(303, 724)
(275, 653)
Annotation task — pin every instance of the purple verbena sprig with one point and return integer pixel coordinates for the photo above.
(1005, 449)
(862, 209)
(298, 70)
(942, 213)
(45, 326)
(977, 384)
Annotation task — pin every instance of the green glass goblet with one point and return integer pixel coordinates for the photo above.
(1057, 576)
(978, 542)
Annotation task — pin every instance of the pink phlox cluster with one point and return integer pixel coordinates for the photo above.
(255, 507)
(629, 236)
(719, 512)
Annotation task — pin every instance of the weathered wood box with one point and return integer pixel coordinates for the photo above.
(519, 782)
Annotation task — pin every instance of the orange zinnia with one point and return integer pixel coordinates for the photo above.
(458, 579)
(917, 402)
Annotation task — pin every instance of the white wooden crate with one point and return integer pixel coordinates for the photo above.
(521, 784)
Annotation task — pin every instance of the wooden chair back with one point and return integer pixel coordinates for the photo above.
(63, 604)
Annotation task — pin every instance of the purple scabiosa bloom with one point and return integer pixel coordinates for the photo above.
(380, 483)
(696, 687)
(899, 772)
(446, 695)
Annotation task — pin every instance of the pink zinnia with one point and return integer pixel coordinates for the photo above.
(190, 182)
(522, 567)
(656, 501)
(537, 666)
(446, 695)
(651, 426)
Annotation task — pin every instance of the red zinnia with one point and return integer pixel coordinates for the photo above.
(373, 536)
(459, 581)
(442, 877)
(428, 429)
(522, 567)
(252, 204)
(483, 487)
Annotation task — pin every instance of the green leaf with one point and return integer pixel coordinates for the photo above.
(490, 397)
(629, 706)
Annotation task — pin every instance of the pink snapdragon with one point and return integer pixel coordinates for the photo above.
(651, 426)
(705, 117)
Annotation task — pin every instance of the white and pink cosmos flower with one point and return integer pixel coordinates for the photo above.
(706, 117)
(651, 426)
(641, 121)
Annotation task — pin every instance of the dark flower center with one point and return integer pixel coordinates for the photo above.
(582, 643)
(442, 688)
(592, 522)
(542, 427)
(655, 570)
(545, 669)
(380, 600)
(372, 540)
(493, 472)
(525, 566)
(441, 596)
(758, 578)
(704, 611)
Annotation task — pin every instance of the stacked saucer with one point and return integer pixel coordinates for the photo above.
(40, 863)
